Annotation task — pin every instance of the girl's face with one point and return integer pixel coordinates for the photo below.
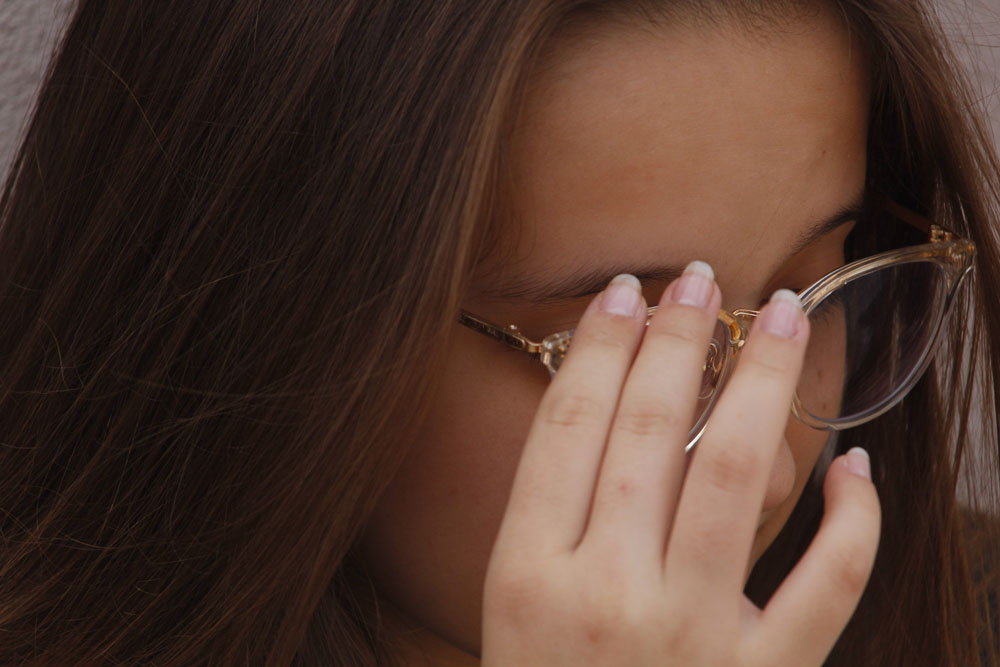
(638, 150)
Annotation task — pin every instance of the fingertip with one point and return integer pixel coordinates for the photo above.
(858, 463)
(849, 480)
(855, 463)
(782, 316)
(695, 287)
(623, 297)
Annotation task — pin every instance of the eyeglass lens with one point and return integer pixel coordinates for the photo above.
(868, 339)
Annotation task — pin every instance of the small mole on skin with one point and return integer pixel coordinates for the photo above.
(595, 635)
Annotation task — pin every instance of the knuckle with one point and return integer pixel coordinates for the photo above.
(680, 637)
(570, 410)
(648, 419)
(772, 359)
(599, 625)
(770, 366)
(510, 591)
(611, 336)
(684, 335)
(733, 468)
(681, 333)
(850, 568)
(614, 617)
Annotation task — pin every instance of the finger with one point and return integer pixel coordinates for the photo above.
(644, 460)
(555, 478)
(813, 605)
(724, 490)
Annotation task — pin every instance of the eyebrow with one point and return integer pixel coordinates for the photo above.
(587, 281)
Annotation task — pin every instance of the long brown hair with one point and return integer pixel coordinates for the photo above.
(228, 244)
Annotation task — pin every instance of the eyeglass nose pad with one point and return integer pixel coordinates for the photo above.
(711, 370)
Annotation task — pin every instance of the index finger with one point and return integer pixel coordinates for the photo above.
(555, 478)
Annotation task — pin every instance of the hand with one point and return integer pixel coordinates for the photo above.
(609, 554)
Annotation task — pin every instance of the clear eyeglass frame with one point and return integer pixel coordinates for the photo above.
(953, 255)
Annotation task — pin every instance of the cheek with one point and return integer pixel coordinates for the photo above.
(429, 540)
(793, 467)
(821, 386)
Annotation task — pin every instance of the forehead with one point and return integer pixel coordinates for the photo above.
(661, 144)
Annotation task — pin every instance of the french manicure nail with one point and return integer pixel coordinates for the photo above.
(859, 463)
(622, 296)
(695, 286)
(782, 316)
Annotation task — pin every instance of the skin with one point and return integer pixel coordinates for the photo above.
(639, 147)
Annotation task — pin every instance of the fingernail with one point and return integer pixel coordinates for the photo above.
(782, 316)
(859, 463)
(622, 296)
(695, 286)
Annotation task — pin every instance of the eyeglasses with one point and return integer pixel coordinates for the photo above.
(875, 324)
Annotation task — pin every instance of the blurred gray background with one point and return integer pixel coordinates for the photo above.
(30, 28)
(28, 32)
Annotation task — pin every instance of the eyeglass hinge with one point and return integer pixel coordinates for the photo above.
(737, 332)
(512, 336)
(939, 234)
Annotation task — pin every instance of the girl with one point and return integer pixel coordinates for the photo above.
(249, 414)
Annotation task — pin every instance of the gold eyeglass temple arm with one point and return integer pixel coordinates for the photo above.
(510, 336)
(934, 231)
